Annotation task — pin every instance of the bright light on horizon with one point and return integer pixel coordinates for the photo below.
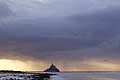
(32, 65)
(17, 65)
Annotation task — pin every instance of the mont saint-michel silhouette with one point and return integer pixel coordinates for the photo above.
(52, 68)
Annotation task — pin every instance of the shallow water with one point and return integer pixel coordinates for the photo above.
(87, 76)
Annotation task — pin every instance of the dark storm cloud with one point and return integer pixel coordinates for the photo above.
(69, 37)
(4, 13)
(101, 25)
(78, 37)
(4, 10)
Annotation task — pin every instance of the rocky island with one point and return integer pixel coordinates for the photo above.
(52, 68)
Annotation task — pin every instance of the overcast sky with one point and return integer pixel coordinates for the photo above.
(73, 34)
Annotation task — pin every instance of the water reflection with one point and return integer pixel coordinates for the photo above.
(87, 76)
(96, 78)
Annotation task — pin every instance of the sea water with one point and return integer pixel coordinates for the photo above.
(87, 76)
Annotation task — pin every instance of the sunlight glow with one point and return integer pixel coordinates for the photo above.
(104, 66)
(13, 65)
(34, 65)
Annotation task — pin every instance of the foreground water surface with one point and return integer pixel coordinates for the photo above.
(87, 76)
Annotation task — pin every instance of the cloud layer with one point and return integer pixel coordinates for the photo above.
(78, 30)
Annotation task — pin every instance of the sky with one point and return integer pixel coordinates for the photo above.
(75, 35)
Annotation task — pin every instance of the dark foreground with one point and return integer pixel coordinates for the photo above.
(18, 75)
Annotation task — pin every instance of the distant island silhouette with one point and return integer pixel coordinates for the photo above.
(52, 68)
